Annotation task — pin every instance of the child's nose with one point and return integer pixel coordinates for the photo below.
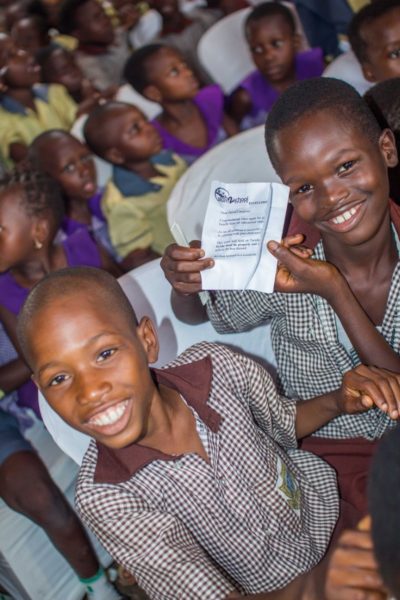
(91, 389)
(334, 191)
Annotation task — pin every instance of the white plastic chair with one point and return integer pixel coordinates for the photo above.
(126, 93)
(239, 159)
(223, 50)
(149, 293)
(347, 68)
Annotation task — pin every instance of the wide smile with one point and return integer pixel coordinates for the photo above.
(112, 420)
(347, 218)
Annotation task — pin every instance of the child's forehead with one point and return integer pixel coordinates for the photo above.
(273, 23)
(377, 32)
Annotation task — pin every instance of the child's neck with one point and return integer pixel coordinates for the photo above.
(178, 113)
(24, 96)
(171, 426)
(175, 23)
(78, 210)
(142, 168)
(375, 256)
(49, 258)
(285, 83)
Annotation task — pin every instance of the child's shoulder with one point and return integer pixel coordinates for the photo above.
(310, 63)
(222, 359)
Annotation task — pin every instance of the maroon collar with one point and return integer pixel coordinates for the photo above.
(193, 382)
(313, 236)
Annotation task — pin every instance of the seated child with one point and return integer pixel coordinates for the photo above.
(163, 485)
(183, 31)
(337, 309)
(270, 31)
(102, 50)
(134, 201)
(27, 109)
(27, 488)
(58, 65)
(193, 120)
(31, 207)
(384, 101)
(374, 38)
(70, 163)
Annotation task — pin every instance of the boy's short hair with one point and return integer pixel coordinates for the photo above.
(322, 93)
(267, 10)
(70, 281)
(384, 101)
(41, 194)
(66, 17)
(135, 70)
(93, 129)
(384, 502)
(366, 15)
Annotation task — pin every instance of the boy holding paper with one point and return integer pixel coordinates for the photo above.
(338, 309)
(193, 482)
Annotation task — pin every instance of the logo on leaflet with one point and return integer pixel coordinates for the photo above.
(222, 195)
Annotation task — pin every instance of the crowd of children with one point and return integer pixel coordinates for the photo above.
(163, 485)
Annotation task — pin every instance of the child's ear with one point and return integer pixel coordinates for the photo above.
(40, 232)
(368, 72)
(148, 336)
(113, 155)
(151, 92)
(297, 42)
(388, 147)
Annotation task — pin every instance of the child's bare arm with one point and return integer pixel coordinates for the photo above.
(138, 257)
(229, 125)
(16, 372)
(304, 275)
(240, 105)
(108, 263)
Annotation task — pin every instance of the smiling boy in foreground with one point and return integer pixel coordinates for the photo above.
(193, 481)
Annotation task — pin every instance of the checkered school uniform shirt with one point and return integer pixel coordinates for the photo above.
(257, 515)
(311, 361)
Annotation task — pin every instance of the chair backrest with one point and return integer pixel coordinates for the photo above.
(239, 159)
(223, 50)
(347, 68)
(126, 93)
(149, 293)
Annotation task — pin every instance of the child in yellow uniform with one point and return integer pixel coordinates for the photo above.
(27, 109)
(134, 202)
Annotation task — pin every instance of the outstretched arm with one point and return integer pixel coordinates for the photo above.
(302, 274)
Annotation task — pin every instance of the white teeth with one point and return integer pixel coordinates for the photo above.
(344, 216)
(111, 415)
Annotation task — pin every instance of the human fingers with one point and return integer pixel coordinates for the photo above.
(363, 389)
(393, 380)
(293, 240)
(176, 253)
(286, 256)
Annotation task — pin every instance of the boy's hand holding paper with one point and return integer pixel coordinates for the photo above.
(241, 218)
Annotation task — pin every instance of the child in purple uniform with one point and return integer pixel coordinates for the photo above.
(192, 120)
(31, 209)
(70, 163)
(271, 35)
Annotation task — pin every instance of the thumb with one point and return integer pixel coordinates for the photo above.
(285, 256)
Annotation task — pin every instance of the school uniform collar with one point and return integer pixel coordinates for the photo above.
(193, 382)
(13, 106)
(131, 184)
(313, 236)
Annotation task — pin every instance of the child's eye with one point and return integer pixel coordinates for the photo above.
(57, 380)
(257, 50)
(135, 128)
(304, 189)
(346, 166)
(277, 43)
(86, 158)
(393, 54)
(104, 354)
(174, 72)
(69, 168)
